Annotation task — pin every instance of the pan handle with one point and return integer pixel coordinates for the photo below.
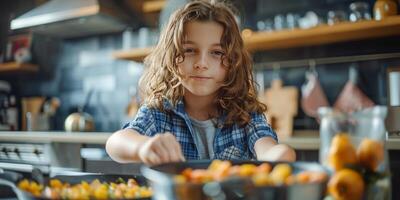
(16, 191)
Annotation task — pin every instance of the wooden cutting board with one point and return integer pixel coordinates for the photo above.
(282, 107)
(31, 105)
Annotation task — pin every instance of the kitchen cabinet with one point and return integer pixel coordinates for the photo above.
(14, 67)
(323, 34)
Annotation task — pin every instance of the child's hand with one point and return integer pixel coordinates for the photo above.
(161, 148)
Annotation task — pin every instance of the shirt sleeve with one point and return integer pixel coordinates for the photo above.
(144, 122)
(259, 128)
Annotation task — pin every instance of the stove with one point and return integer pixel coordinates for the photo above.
(48, 157)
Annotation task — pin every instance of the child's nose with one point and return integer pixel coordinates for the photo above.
(201, 62)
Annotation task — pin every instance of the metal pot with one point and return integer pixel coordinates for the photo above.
(79, 122)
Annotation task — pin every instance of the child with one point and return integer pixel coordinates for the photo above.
(200, 99)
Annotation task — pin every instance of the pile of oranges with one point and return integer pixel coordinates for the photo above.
(263, 174)
(347, 183)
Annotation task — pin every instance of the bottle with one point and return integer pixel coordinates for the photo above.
(384, 8)
(12, 114)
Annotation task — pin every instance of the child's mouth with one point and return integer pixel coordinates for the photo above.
(200, 78)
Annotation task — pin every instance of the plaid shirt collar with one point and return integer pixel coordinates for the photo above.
(179, 109)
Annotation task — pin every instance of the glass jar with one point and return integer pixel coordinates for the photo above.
(384, 8)
(359, 11)
(356, 141)
(336, 16)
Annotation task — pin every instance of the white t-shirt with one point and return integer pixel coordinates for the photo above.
(204, 133)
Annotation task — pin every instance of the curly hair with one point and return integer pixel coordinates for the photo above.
(236, 98)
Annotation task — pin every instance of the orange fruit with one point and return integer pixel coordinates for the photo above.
(341, 152)
(262, 179)
(264, 168)
(370, 153)
(247, 170)
(346, 184)
(280, 172)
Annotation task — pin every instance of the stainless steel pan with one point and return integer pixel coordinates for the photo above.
(11, 180)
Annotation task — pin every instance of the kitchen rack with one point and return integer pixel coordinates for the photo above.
(323, 61)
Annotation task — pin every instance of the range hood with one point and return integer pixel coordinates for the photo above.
(75, 18)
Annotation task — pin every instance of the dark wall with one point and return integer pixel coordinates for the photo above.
(372, 74)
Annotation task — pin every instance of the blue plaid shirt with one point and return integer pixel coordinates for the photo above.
(230, 142)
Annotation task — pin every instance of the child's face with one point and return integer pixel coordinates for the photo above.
(202, 69)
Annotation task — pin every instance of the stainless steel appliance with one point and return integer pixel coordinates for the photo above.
(50, 158)
(73, 18)
(393, 117)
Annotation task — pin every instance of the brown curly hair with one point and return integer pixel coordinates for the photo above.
(237, 97)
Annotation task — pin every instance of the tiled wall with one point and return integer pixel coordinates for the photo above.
(69, 69)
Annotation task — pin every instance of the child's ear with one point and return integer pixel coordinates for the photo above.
(225, 61)
(179, 59)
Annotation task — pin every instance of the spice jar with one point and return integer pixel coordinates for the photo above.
(359, 11)
(384, 8)
(353, 148)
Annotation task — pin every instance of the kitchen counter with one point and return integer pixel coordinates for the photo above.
(56, 137)
(301, 140)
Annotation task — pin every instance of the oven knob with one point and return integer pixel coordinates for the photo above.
(36, 151)
(4, 150)
(16, 151)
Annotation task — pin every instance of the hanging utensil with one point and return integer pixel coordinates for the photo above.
(313, 96)
(351, 98)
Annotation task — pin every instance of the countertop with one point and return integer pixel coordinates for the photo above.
(301, 140)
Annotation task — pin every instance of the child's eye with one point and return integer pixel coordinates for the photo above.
(218, 53)
(189, 50)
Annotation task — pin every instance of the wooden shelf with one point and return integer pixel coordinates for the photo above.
(137, 54)
(11, 67)
(323, 34)
(153, 6)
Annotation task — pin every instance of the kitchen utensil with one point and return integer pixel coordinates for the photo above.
(80, 121)
(50, 106)
(161, 178)
(11, 179)
(313, 97)
(282, 107)
(31, 107)
(351, 98)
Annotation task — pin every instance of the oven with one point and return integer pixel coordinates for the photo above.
(50, 158)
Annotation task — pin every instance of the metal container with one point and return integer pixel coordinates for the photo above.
(161, 178)
(393, 118)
